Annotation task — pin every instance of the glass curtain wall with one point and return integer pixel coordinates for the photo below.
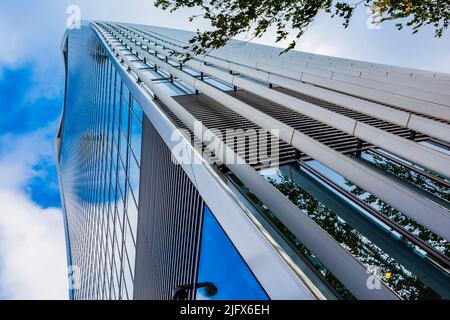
(99, 168)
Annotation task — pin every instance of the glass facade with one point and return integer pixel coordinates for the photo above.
(380, 206)
(99, 166)
(427, 184)
(369, 240)
(221, 264)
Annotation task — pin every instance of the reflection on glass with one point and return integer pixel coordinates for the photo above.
(329, 277)
(436, 146)
(421, 181)
(125, 112)
(137, 110)
(132, 213)
(221, 264)
(135, 138)
(393, 214)
(125, 94)
(349, 226)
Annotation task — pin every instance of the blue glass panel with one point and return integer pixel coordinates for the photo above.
(125, 93)
(135, 137)
(221, 264)
(137, 110)
(117, 102)
(121, 178)
(118, 81)
(123, 147)
(125, 110)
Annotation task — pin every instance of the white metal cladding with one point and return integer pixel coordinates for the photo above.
(355, 78)
(337, 259)
(430, 127)
(298, 59)
(419, 94)
(428, 108)
(417, 83)
(254, 52)
(420, 209)
(262, 256)
(257, 51)
(321, 80)
(327, 70)
(324, 78)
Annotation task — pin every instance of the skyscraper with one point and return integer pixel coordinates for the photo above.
(243, 174)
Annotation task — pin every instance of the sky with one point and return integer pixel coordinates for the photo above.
(32, 245)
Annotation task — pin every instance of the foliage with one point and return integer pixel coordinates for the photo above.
(230, 18)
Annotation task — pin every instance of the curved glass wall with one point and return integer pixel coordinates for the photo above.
(99, 168)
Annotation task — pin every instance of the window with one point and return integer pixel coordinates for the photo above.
(369, 240)
(222, 265)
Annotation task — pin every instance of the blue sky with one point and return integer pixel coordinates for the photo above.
(32, 249)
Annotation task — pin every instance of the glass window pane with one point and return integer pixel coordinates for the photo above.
(119, 220)
(117, 108)
(123, 147)
(137, 110)
(133, 176)
(222, 265)
(420, 182)
(125, 111)
(355, 227)
(136, 138)
(436, 146)
(129, 282)
(121, 178)
(118, 81)
(125, 93)
(132, 215)
(124, 289)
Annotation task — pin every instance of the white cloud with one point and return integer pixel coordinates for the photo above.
(31, 33)
(32, 30)
(32, 249)
(32, 243)
(20, 153)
